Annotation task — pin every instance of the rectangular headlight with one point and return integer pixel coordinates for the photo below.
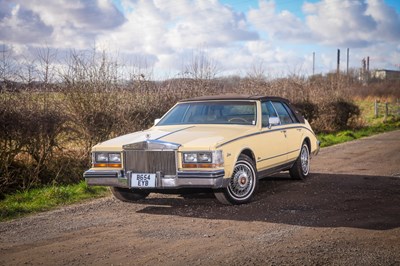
(114, 157)
(197, 157)
(106, 159)
(190, 157)
(202, 159)
(101, 157)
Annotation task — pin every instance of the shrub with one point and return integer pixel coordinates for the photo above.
(336, 115)
(308, 109)
(29, 135)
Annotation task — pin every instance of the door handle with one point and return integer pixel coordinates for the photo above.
(299, 129)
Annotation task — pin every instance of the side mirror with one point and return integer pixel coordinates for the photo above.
(156, 121)
(273, 121)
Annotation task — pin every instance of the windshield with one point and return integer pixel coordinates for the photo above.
(214, 112)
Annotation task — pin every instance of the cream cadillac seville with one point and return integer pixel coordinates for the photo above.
(223, 143)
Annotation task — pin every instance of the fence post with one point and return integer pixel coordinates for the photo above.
(386, 111)
(376, 108)
(398, 107)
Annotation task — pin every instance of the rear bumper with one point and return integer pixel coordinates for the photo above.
(183, 179)
(316, 151)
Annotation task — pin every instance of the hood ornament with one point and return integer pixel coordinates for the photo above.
(148, 136)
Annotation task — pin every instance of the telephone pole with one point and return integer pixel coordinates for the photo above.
(313, 63)
(348, 56)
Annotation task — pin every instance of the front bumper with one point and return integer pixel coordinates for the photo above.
(112, 178)
(183, 179)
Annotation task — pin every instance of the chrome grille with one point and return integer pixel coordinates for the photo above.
(147, 161)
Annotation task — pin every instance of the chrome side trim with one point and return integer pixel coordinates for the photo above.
(263, 132)
(269, 171)
(269, 158)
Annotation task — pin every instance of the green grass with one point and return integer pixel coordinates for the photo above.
(348, 135)
(46, 198)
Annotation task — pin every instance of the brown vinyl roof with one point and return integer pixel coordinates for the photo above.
(233, 97)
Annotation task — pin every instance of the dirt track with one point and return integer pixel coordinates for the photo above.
(346, 213)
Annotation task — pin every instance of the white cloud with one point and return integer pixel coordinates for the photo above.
(330, 22)
(208, 23)
(21, 25)
(172, 29)
(388, 21)
(160, 25)
(283, 25)
(340, 22)
(60, 23)
(165, 34)
(352, 23)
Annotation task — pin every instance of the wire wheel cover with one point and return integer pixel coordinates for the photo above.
(242, 182)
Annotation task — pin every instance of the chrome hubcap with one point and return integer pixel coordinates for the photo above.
(305, 160)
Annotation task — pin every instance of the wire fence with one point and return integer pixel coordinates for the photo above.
(385, 109)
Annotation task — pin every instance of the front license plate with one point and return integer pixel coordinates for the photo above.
(143, 180)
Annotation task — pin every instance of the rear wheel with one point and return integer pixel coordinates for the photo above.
(128, 195)
(301, 167)
(243, 183)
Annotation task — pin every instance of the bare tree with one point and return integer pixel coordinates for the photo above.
(7, 65)
(46, 57)
(27, 72)
(201, 67)
(257, 71)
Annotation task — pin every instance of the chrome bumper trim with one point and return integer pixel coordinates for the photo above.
(112, 178)
(183, 179)
(195, 179)
(201, 174)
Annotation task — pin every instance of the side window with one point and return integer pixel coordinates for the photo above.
(295, 120)
(267, 111)
(282, 113)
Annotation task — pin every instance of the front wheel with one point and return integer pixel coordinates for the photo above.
(301, 167)
(128, 195)
(243, 183)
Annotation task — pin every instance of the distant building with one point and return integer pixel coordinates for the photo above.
(385, 74)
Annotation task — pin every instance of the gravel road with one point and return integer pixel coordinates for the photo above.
(346, 213)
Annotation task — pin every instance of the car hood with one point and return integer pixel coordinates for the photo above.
(188, 136)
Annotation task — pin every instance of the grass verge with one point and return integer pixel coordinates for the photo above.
(348, 135)
(46, 198)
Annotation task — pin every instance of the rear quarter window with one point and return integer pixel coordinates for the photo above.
(283, 113)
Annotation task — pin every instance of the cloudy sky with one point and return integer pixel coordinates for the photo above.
(237, 35)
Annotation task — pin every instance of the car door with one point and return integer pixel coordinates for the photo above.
(273, 146)
(291, 129)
